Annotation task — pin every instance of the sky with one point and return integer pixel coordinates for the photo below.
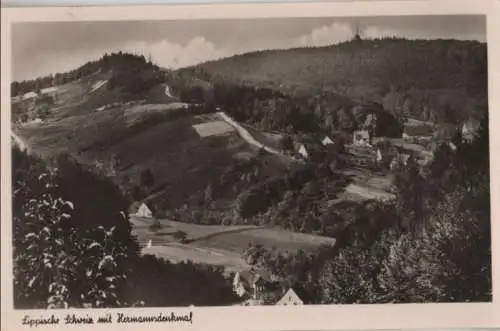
(44, 48)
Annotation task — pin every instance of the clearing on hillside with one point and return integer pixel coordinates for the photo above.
(214, 128)
(218, 245)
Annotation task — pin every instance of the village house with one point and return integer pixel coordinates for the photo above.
(392, 157)
(140, 209)
(310, 148)
(470, 129)
(303, 152)
(385, 154)
(293, 297)
(327, 141)
(400, 161)
(252, 284)
(361, 138)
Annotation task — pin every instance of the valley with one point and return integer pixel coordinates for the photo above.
(241, 165)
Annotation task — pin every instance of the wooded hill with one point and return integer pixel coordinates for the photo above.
(427, 79)
(131, 72)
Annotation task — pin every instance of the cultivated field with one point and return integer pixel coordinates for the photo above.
(281, 239)
(219, 245)
(214, 128)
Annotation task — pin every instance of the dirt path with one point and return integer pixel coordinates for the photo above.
(98, 85)
(247, 136)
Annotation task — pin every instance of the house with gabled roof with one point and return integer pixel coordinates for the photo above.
(251, 284)
(293, 297)
(327, 141)
(385, 154)
(140, 209)
(400, 161)
(470, 129)
(290, 299)
(361, 138)
(303, 151)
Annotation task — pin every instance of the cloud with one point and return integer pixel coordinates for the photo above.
(173, 55)
(327, 35)
(341, 31)
(163, 53)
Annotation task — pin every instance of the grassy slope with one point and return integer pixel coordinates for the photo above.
(220, 245)
(182, 162)
(432, 73)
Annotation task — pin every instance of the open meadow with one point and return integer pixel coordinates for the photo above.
(218, 245)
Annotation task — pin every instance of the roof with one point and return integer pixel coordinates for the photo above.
(290, 294)
(472, 124)
(134, 207)
(253, 276)
(310, 145)
(302, 293)
(327, 140)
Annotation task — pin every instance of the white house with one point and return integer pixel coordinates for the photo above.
(380, 155)
(361, 138)
(470, 129)
(142, 211)
(290, 299)
(303, 151)
(327, 141)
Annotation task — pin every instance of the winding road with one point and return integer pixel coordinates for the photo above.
(247, 136)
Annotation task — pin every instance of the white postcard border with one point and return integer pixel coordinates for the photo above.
(270, 318)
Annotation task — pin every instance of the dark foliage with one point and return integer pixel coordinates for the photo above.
(73, 246)
(165, 284)
(425, 79)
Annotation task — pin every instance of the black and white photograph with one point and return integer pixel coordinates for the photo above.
(289, 161)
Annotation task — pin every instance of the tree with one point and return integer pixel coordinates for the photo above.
(147, 178)
(179, 235)
(345, 120)
(155, 226)
(208, 197)
(60, 261)
(137, 193)
(286, 143)
(349, 277)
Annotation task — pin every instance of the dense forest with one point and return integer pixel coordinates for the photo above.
(435, 245)
(71, 250)
(442, 80)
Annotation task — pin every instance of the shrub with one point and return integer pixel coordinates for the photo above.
(60, 266)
